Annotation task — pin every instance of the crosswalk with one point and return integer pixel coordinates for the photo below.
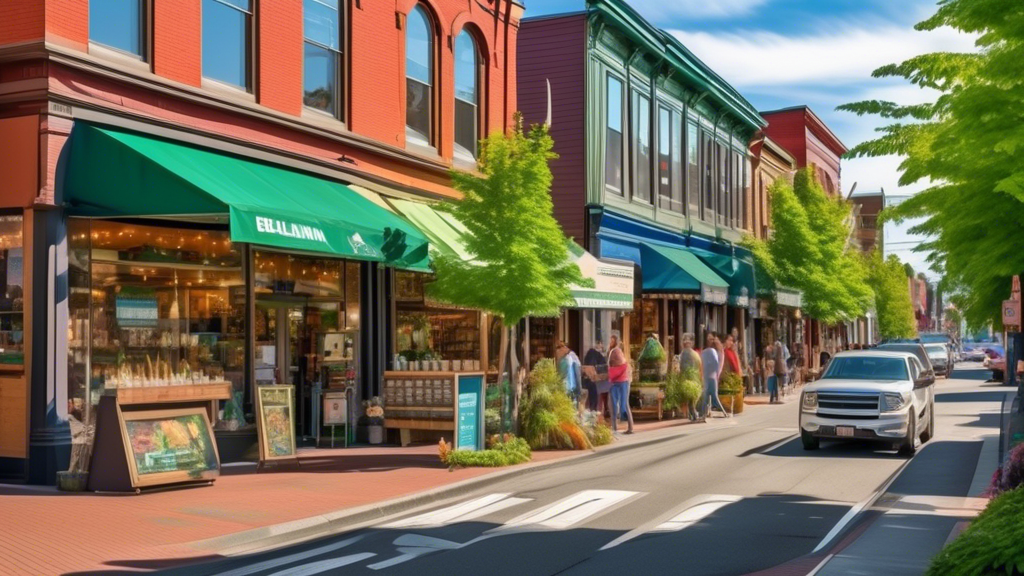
(572, 511)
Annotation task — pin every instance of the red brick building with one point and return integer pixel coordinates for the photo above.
(800, 131)
(386, 95)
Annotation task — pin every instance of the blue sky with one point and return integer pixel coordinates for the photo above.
(781, 53)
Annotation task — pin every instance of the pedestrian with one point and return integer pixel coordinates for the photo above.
(618, 374)
(769, 374)
(690, 360)
(781, 369)
(720, 348)
(595, 379)
(732, 360)
(712, 367)
(570, 368)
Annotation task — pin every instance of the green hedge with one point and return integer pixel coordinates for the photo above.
(992, 545)
(501, 453)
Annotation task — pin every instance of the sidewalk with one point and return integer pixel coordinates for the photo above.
(54, 532)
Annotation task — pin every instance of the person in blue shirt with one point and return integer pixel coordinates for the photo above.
(571, 370)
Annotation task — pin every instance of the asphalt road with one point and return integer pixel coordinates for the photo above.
(734, 496)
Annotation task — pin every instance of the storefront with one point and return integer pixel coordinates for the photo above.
(780, 319)
(194, 271)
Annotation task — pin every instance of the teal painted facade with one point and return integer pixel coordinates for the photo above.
(684, 162)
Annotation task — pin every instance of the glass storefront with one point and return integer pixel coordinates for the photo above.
(427, 331)
(12, 280)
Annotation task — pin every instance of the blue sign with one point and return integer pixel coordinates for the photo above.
(136, 312)
(469, 421)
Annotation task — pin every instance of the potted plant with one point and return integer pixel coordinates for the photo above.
(374, 411)
(652, 360)
(730, 392)
(681, 390)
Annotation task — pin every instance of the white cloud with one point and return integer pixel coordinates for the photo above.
(761, 59)
(661, 10)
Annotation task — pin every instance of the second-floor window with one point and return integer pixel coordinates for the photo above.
(708, 172)
(419, 77)
(692, 169)
(641, 147)
(227, 42)
(467, 96)
(613, 137)
(664, 157)
(722, 155)
(737, 190)
(323, 71)
(118, 24)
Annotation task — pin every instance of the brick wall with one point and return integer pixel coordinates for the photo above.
(177, 41)
(23, 20)
(67, 23)
(279, 78)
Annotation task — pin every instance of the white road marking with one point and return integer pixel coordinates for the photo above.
(820, 565)
(462, 512)
(689, 513)
(324, 565)
(297, 557)
(569, 511)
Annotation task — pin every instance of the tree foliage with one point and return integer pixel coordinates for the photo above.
(520, 264)
(892, 297)
(966, 145)
(809, 250)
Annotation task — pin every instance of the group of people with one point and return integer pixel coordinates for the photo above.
(605, 376)
(718, 358)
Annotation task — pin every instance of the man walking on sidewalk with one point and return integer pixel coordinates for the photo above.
(712, 364)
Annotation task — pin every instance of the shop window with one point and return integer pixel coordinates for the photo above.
(692, 169)
(613, 158)
(12, 279)
(152, 306)
(641, 124)
(227, 42)
(419, 77)
(323, 64)
(430, 331)
(665, 152)
(467, 96)
(118, 24)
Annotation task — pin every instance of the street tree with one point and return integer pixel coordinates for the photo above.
(966, 145)
(895, 311)
(809, 250)
(520, 265)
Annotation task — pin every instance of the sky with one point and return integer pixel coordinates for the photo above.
(821, 53)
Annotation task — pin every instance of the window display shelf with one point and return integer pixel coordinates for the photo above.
(168, 265)
(180, 393)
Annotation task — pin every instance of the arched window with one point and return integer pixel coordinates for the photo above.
(467, 95)
(419, 77)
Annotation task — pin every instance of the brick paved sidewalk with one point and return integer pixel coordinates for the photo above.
(49, 532)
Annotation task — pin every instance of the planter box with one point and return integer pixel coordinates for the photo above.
(733, 402)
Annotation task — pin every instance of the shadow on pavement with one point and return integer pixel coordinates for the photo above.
(939, 469)
(982, 396)
(749, 535)
(836, 449)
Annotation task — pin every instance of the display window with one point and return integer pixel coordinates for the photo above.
(427, 332)
(12, 320)
(152, 306)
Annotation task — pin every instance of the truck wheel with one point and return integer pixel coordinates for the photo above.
(908, 446)
(809, 441)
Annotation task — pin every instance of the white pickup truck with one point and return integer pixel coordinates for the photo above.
(870, 395)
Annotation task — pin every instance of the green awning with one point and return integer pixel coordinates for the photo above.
(738, 272)
(667, 269)
(613, 283)
(443, 236)
(120, 174)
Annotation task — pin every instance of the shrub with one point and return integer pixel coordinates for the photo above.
(1011, 474)
(732, 383)
(503, 451)
(992, 544)
(547, 415)
(599, 434)
(492, 421)
(682, 388)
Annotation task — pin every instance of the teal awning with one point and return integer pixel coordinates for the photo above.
(738, 272)
(667, 269)
(112, 173)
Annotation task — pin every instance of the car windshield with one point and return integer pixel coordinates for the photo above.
(866, 368)
(936, 350)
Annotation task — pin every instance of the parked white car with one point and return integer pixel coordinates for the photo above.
(870, 395)
(939, 356)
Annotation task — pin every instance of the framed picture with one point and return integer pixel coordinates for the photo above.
(335, 409)
(169, 446)
(275, 418)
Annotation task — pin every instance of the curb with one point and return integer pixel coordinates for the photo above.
(259, 539)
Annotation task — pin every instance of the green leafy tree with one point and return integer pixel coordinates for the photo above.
(809, 250)
(892, 297)
(966, 145)
(520, 263)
